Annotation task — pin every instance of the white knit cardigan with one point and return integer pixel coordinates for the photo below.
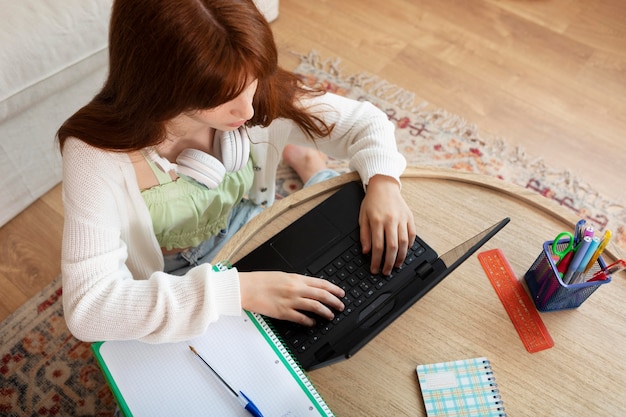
(114, 287)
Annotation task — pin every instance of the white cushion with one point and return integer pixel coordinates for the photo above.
(41, 38)
(53, 59)
(269, 8)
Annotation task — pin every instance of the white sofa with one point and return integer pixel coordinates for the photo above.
(53, 59)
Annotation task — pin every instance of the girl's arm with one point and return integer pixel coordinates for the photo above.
(363, 134)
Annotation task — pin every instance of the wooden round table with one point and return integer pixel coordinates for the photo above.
(584, 374)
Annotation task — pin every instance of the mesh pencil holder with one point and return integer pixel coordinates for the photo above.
(548, 290)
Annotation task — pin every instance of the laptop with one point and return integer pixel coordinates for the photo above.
(324, 242)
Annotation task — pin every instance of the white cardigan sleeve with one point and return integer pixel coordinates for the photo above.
(113, 287)
(362, 134)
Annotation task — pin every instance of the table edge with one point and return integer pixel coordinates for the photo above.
(511, 190)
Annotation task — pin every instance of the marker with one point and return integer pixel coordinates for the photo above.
(243, 398)
(578, 256)
(588, 231)
(596, 255)
(550, 286)
(563, 264)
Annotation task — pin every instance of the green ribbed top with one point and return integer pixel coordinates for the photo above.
(185, 213)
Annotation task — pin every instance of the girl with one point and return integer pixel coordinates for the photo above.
(179, 149)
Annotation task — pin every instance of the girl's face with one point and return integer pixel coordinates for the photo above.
(230, 115)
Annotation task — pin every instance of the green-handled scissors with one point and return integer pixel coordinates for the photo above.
(570, 245)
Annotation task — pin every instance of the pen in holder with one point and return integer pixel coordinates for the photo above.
(547, 288)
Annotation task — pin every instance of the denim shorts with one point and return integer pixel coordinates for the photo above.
(181, 262)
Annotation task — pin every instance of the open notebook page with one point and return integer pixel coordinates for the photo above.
(168, 379)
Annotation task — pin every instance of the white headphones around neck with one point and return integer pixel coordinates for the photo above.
(232, 149)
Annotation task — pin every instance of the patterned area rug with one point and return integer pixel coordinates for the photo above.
(44, 371)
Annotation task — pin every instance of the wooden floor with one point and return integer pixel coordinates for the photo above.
(548, 75)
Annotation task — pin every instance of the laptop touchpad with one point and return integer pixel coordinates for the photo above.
(312, 237)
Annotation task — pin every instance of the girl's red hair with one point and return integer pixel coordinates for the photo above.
(167, 57)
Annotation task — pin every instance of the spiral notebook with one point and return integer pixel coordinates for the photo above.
(460, 388)
(168, 379)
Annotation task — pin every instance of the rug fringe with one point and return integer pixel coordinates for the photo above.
(393, 94)
(330, 65)
(371, 83)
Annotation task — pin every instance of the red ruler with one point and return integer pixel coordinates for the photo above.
(517, 303)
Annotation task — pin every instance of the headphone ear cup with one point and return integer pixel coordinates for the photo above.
(234, 148)
(201, 167)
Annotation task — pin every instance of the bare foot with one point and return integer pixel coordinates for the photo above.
(305, 161)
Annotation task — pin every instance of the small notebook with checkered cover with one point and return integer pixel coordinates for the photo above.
(460, 388)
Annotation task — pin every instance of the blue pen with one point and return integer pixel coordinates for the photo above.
(578, 231)
(579, 275)
(243, 398)
(581, 250)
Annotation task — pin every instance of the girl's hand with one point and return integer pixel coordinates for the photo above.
(286, 296)
(387, 224)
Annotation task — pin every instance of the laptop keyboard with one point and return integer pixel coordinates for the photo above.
(350, 271)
